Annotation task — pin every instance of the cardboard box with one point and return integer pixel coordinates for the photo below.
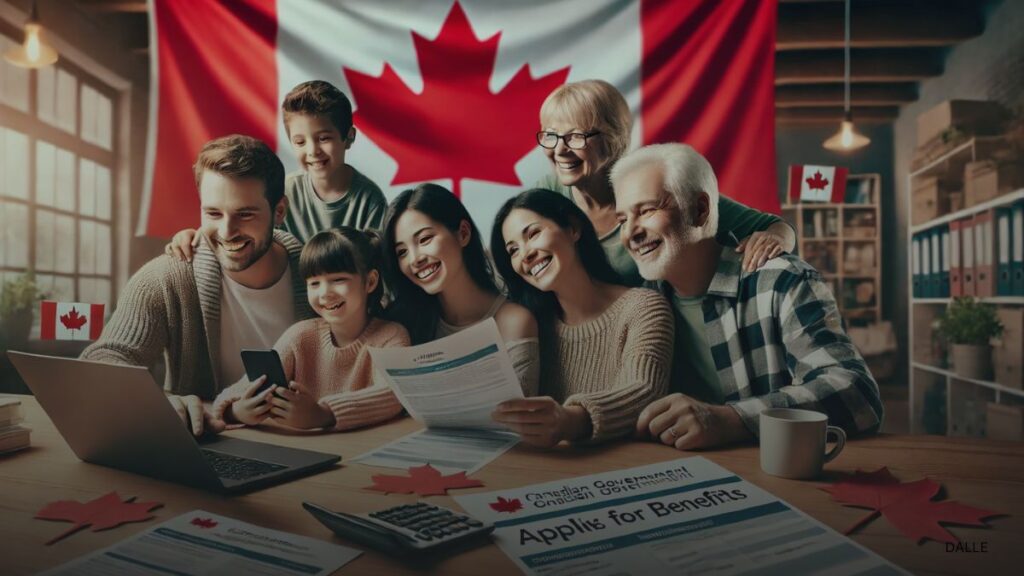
(972, 117)
(1004, 422)
(987, 179)
(1008, 352)
(930, 199)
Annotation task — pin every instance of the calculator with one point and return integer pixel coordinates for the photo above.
(402, 529)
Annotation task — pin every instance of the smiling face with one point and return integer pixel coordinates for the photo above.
(576, 167)
(429, 253)
(340, 298)
(318, 145)
(539, 249)
(236, 219)
(653, 227)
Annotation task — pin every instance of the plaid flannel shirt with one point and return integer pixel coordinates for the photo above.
(777, 340)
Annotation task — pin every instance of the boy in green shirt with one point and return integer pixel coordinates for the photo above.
(326, 192)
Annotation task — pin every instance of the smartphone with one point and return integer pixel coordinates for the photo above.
(264, 362)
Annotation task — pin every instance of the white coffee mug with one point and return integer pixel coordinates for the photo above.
(793, 442)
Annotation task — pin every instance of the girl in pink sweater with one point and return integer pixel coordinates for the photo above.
(326, 359)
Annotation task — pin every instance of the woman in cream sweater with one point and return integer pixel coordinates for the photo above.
(606, 350)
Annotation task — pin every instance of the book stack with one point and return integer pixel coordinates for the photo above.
(13, 436)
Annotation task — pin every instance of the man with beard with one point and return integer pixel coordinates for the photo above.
(745, 341)
(241, 290)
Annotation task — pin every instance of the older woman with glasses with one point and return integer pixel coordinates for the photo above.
(585, 129)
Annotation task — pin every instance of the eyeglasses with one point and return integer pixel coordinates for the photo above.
(574, 140)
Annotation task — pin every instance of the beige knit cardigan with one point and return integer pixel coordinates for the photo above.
(172, 308)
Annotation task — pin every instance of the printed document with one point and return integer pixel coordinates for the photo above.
(686, 516)
(454, 382)
(200, 543)
(451, 385)
(448, 450)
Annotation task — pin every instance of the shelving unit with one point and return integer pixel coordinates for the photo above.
(843, 241)
(941, 401)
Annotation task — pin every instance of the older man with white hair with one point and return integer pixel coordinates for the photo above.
(745, 341)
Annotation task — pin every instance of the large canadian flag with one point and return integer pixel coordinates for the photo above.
(449, 92)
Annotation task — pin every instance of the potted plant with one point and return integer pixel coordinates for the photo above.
(968, 325)
(18, 298)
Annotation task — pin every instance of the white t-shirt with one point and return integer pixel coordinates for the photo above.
(251, 319)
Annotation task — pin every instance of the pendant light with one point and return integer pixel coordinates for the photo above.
(34, 52)
(847, 139)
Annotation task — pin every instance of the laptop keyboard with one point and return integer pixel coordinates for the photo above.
(238, 468)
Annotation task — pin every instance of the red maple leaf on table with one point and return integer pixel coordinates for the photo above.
(456, 127)
(103, 513)
(422, 480)
(503, 505)
(817, 182)
(73, 320)
(907, 505)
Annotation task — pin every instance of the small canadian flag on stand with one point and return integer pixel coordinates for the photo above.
(810, 183)
(70, 321)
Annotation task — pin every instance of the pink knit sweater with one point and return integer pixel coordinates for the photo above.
(342, 378)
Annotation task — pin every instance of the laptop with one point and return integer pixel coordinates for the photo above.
(117, 416)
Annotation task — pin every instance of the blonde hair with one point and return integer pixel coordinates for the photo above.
(592, 105)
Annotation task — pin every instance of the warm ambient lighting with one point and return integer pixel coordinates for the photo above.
(846, 139)
(34, 51)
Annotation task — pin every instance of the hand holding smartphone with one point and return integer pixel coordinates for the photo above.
(264, 363)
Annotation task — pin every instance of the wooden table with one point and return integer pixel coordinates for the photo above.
(982, 473)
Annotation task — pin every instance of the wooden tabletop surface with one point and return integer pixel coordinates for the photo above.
(982, 473)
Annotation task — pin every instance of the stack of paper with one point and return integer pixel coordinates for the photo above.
(12, 435)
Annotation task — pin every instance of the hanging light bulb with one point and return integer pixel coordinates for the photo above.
(34, 52)
(847, 138)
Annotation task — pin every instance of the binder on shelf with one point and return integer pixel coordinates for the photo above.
(984, 249)
(1017, 264)
(935, 280)
(967, 254)
(926, 264)
(943, 287)
(915, 265)
(1004, 269)
(956, 270)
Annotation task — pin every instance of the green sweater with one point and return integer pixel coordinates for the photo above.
(733, 217)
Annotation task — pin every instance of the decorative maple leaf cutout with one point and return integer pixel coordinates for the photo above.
(456, 127)
(907, 505)
(817, 182)
(204, 522)
(503, 505)
(422, 480)
(103, 513)
(73, 320)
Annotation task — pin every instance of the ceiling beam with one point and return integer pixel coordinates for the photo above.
(825, 95)
(116, 6)
(823, 66)
(869, 115)
(819, 25)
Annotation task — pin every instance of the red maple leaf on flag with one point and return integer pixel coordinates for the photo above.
(422, 480)
(73, 320)
(456, 127)
(204, 522)
(103, 513)
(503, 505)
(907, 505)
(817, 182)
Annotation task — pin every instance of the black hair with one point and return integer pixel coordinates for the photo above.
(563, 212)
(418, 311)
(345, 250)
